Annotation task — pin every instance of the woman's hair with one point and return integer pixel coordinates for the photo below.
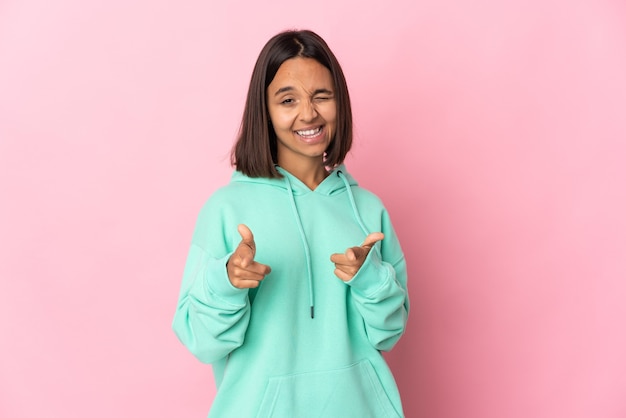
(255, 152)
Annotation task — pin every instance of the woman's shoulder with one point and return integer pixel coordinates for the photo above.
(240, 189)
(366, 196)
(223, 198)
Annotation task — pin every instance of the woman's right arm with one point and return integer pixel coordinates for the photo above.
(212, 315)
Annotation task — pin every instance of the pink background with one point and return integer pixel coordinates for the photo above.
(494, 132)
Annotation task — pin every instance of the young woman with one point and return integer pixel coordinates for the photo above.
(277, 293)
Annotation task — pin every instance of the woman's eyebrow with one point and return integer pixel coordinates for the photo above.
(283, 90)
(322, 91)
(290, 88)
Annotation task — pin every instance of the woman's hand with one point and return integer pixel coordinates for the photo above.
(349, 263)
(243, 271)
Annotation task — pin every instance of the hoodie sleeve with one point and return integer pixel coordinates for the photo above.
(379, 290)
(212, 315)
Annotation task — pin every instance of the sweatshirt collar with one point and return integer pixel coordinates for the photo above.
(329, 186)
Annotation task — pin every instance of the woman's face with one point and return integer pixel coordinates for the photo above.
(302, 108)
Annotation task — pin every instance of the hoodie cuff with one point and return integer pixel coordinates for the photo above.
(218, 284)
(373, 275)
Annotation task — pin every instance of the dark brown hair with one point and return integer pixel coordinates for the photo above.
(255, 152)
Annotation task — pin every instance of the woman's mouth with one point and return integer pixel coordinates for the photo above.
(311, 134)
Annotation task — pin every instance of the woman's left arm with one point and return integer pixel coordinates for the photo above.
(378, 285)
(379, 290)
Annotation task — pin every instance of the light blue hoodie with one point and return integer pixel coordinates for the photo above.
(271, 357)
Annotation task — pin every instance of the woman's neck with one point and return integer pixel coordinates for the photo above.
(311, 173)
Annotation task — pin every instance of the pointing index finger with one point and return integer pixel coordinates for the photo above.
(372, 239)
(246, 235)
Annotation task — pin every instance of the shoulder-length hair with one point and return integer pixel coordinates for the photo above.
(255, 152)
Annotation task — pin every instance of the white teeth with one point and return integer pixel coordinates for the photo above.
(309, 132)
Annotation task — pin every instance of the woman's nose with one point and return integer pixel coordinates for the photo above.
(309, 112)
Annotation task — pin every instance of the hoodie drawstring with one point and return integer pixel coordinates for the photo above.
(305, 244)
(352, 202)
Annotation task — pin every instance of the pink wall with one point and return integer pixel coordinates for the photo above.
(494, 131)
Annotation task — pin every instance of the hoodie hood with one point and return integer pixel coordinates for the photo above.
(329, 186)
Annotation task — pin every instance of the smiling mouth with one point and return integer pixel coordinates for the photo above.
(310, 133)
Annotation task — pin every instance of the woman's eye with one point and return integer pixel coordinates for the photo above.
(287, 101)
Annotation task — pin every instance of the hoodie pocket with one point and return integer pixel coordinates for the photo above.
(353, 391)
